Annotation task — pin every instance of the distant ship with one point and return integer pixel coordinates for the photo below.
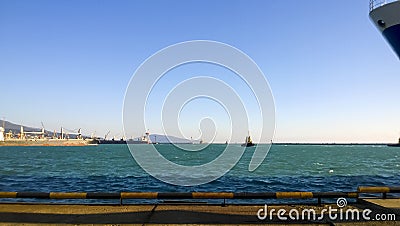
(24, 138)
(394, 145)
(385, 14)
(248, 142)
(141, 140)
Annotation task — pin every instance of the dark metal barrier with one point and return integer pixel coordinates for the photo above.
(383, 190)
(199, 195)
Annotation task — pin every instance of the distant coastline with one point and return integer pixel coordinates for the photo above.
(163, 139)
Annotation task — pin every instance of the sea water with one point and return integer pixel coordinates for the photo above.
(111, 168)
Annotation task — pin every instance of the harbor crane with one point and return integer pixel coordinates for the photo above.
(66, 135)
(105, 136)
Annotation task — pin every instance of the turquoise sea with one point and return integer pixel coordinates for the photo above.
(111, 168)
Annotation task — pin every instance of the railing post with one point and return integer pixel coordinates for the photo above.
(224, 203)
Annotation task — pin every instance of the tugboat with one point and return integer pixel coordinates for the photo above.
(248, 142)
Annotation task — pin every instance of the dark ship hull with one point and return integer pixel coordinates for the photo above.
(386, 17)
(248, 145)
(123, 142)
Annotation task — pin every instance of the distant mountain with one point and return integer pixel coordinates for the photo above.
(16, 128)
(168, 139)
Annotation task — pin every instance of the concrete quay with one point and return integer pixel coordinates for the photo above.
(383, 212)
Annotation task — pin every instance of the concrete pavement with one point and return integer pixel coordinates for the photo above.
(39, 214)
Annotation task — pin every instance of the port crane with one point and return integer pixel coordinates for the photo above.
(105, 136)
(23, 133)
(66, 134)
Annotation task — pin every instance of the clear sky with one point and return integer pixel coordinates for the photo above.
(67, 63)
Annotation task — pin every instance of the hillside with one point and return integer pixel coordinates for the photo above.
(167, 139)
(16, 128)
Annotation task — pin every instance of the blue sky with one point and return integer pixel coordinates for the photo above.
(333, 76)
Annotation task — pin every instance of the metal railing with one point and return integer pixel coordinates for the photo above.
(378, 190)
(201, 195)
(373, 4)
